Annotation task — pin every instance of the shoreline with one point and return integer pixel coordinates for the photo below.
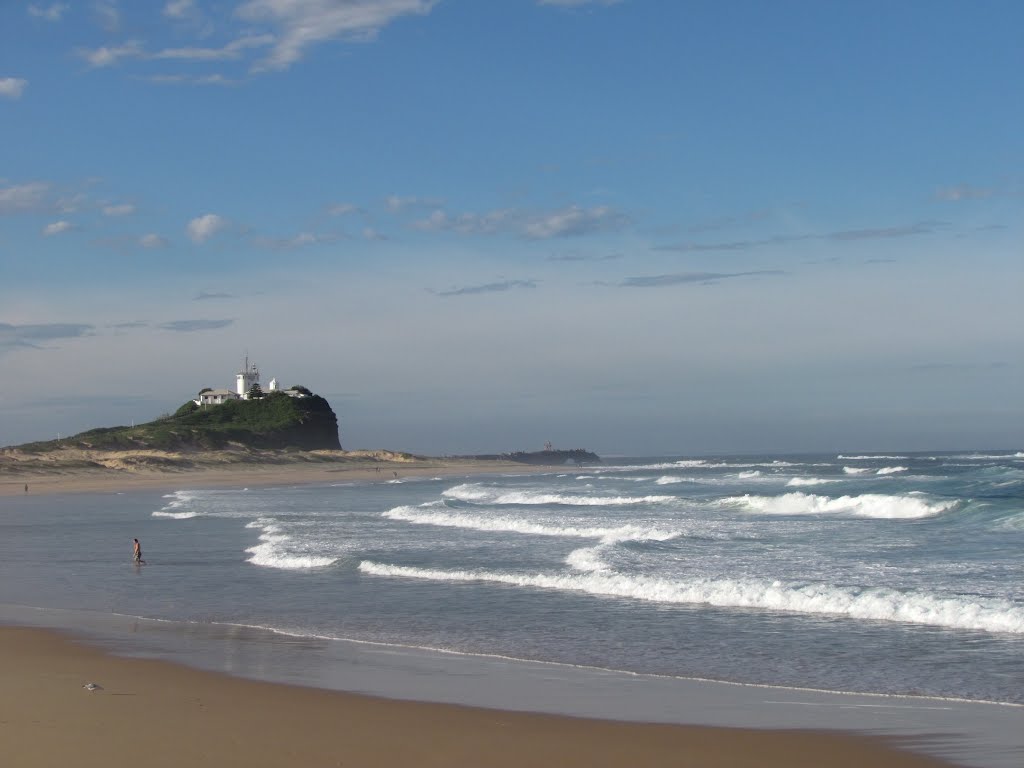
(43, 479)
(169, 714)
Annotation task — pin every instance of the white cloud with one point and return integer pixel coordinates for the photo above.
(397, 203)
(962, 192)
(468, 223)
(342, 209)
(12, 87)
(300, 25)
(565, 222)
(152, 241)
(179, 9)
(22, 197)
(108, 15)
(53, 12)
(57, 228)
(204, 227)
(574, 221)
(124, 209)
(291, 243)
(105, 57)
(231, 51)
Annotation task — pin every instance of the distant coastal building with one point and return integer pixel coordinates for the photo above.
(245, 381)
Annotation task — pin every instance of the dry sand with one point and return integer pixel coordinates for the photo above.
(157, 714)
(82, 471)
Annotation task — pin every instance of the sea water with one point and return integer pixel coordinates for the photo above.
(884, 574)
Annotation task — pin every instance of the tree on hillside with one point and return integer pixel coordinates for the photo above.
(255, 393)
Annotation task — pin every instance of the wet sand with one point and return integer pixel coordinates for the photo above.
(160, 714)
(43, 478)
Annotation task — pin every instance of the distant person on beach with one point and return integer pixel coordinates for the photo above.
(137, 552)
(26, 487)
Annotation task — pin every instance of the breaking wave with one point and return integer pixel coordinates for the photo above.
(874, 604)
(479, 494)
(511, 524)
(867, 505)
(273, 550)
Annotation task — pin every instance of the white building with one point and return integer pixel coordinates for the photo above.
(215, 396)
(245, 380)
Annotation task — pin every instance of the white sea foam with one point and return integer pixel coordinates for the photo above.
(174, 515)
(749, 473)
(890, 470)
(856, 470)
(875, 505)
(274, 551)
(476, 493)
(587, 559)
(513, 524)
(875, 604)
(173, 508)
(796, 482)
(875, 457)
(672, 480)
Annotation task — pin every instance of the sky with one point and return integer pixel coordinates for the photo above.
(640, 227)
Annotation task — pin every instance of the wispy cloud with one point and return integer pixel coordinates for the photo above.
(57, 228)
(575, 256)
(869, 233)
(107, 14)
(300, 25)
(398, 203)
(52, 12)
(214, 79)
(570, 221)
(230, 52)
(12, 87)
(498, 287)
(683, 278)
(179, 9)
(468, 223)
(107, 56)
(29, 336)
(342, 209)
(187, 326)
(202, 228)
(122, 209)
(209, 295)
(153, 241)
(21, 198)
(920, 228)
(575, 221)
(963, 192)
(300, 240)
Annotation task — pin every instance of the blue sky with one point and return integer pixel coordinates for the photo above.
(639, 226)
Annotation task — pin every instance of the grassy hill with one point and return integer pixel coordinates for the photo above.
(272, 421)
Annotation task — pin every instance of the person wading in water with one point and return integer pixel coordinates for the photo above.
(137, 552)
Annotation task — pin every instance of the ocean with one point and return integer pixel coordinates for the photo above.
(898, 574)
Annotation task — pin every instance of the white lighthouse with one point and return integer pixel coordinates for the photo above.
(247, 378)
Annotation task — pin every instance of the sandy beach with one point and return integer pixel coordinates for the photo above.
(80, 471)
(160, 714)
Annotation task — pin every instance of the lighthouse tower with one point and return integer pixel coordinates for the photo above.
(246, 378)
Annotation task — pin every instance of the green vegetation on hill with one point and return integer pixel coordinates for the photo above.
(272, 421)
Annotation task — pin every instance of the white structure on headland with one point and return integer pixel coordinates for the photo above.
(245, 380)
